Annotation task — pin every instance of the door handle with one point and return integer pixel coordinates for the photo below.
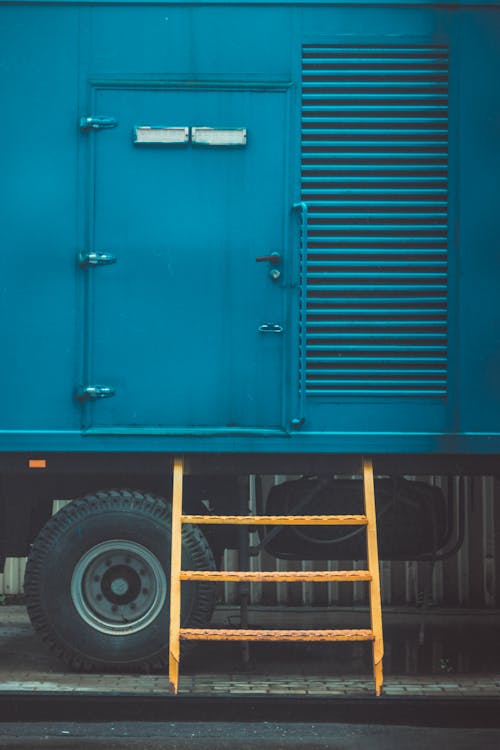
(274, 259)
(270, 328)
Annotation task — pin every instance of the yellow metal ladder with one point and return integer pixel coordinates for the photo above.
(371, 575)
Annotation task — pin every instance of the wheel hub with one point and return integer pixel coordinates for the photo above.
(118, 587)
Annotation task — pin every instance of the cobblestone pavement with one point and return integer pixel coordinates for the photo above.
(228, 684)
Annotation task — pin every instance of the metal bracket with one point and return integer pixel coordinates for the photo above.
(94, 392)
(97, 123)
(95, 259)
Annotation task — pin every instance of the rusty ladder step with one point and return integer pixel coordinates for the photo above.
(346, 520)
(269, 576)
(224, 634)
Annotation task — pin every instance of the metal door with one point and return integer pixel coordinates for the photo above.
(186, 327)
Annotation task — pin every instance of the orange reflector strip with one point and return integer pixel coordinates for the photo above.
(37, 463)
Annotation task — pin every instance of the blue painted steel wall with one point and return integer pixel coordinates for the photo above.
(59, 61)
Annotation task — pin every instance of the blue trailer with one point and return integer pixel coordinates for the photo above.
(258, 234)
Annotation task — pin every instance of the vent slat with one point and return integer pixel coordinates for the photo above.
(388, 391)
(387, 264)
(339, 245)
(348, 232)
(393, 180)
(353, 312)
(385, 287)
(371, 98)
(400, 171)
(376, 348)
(373, 323)
(400, 215)
(375, 180)
(335, 142)
(369, 360)
(382, 202)
(364, 130)
(416, 109)
(369, 158)
(387, 273)
(382, 85)
(386, 123)
(380, 370)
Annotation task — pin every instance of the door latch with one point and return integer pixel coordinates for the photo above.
(94, 392)
(274, 259)
(95, 259)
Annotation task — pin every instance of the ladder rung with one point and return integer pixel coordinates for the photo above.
(207, 634)
(270, 576)
(351, 520)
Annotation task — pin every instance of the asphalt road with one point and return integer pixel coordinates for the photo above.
(242, 736)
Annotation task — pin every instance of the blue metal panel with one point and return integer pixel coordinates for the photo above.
(478, 223)
(38, 306)
(247, 397)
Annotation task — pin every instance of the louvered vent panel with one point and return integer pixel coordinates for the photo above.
(375, 180)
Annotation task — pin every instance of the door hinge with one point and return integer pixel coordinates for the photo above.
(95, 259)
(97, 123)
(93, 392)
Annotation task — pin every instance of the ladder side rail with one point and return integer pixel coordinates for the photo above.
(175, 571)
(373, 567)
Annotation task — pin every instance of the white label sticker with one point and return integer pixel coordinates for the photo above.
(158, 134)
(219, 136)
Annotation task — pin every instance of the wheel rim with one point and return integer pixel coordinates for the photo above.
(118, 587)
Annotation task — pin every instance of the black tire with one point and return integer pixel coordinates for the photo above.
(97, 581)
